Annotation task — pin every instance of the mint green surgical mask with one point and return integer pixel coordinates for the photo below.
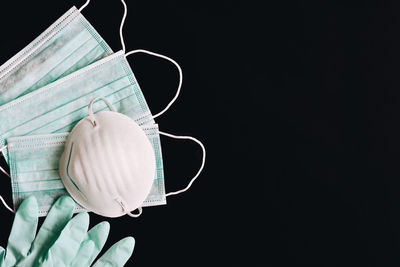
(34, 164)
(58, 106)
(68, 45)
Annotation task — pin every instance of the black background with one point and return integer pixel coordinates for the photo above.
(333, 89)
(222, 219)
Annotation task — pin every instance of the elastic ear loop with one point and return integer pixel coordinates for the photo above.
(153, 54)
(202, 162)
(91, 116)
(122, 21)
(166, 108)
(6, 173)
(121, 202)
(84, 5)
(1, 168)
(179, 70)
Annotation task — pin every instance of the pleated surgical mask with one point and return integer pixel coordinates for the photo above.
(34, 169)
(68, 45)
(58, 106)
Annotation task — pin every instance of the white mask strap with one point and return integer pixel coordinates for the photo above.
(153, 54)
(177, 66)
(5, 205)
(1, 168)
(135, 215)
(122, 25)
(202, 163)
(91, 116)
(122, 22)
(6, 173)
(121, 202)
(84, 5)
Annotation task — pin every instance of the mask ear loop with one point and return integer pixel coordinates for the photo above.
(122, 21)
(121, 202)
(6, 173)
(5, 205)
(91, 116)
(153, 54)
(169, 104)
(84, 5)
(1, 168)
(178, 90)
(202, 162)
(121, 36)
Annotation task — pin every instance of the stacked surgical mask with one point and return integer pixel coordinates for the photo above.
(57, 107)
(44, 92)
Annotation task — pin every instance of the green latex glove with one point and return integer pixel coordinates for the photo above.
(62, 240)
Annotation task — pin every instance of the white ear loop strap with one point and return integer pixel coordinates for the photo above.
(122, 25)
(6, 173)
(130, 214)
(202, 162)
(146, 52)
(126, 210)
(1, 168)
(122, 21)
(177, 66)
(84, 5)
(153, 54)
(91, 116)
(5, 205)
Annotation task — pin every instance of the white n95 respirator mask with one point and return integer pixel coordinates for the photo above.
(108, 165)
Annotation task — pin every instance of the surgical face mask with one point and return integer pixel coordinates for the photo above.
(68, 45)
(34, 162)
(58, 106)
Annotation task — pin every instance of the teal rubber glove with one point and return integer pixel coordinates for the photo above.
(62, 240)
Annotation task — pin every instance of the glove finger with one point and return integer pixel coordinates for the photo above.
(84, 255)
(118, 254)
(2, 252)
(98, 235)
(58, 216)
(66, 247)
(23, 231)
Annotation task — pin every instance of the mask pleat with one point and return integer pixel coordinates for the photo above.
(42, 112)
(80, 164)
(67, 121)
(93, 55)
(118, 174)
(16, 60)
(67, 65)
(65, 47)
